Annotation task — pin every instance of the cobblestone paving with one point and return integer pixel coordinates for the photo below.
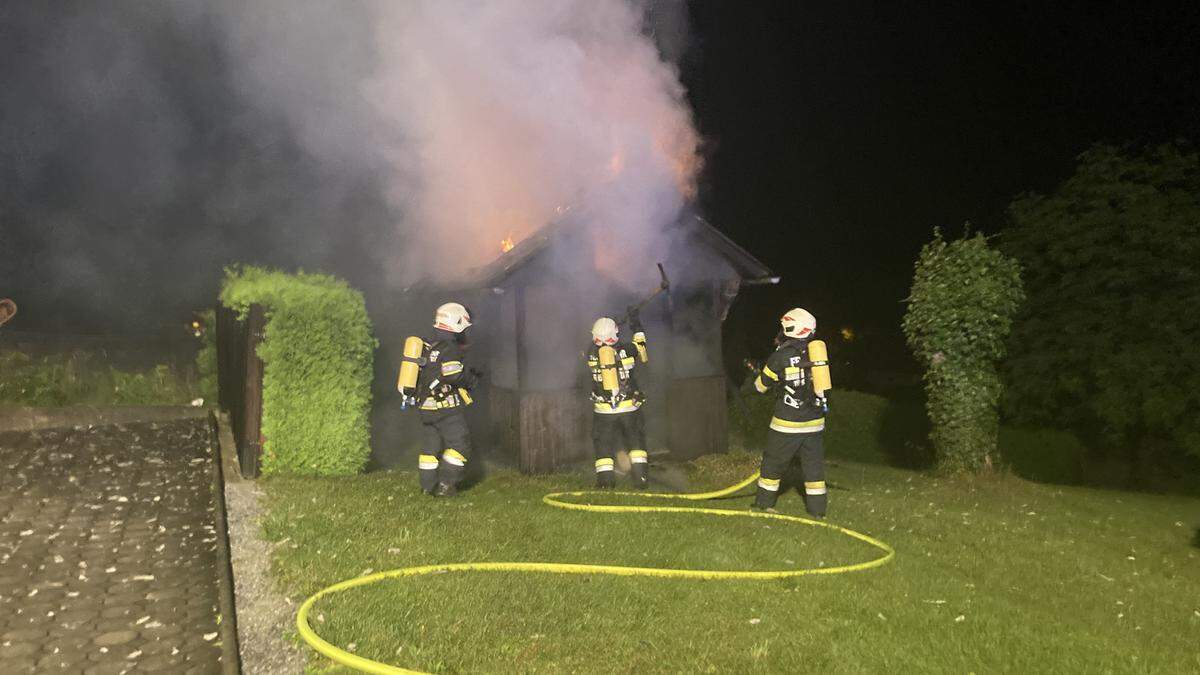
(108, 557)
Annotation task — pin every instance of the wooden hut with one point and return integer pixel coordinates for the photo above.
(540, 299)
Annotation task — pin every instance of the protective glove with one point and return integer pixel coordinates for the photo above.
(635, 321)
(470, 378)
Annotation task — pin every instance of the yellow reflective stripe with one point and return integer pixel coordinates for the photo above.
(759, 386)
(426, 458)
(770, 373)
(454, 457)
(452, 367)
(771, 484)
(791, 373)
(604, 464)
(604, 407)
(815, 487)
(637, 453)
(627, 362)
(819, 422)
(465, 396)
(638, 456)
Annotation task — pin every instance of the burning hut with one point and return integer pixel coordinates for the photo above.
(539, 299)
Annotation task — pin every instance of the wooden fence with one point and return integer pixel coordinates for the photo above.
(240, 381)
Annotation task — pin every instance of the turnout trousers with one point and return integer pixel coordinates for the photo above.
(445, 448)
(781, 451)
(620, 431)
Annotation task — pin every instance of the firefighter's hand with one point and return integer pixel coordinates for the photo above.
(752, 365)
(635, 320)
(470, 378)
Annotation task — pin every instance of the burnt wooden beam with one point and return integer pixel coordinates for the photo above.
(519, 322)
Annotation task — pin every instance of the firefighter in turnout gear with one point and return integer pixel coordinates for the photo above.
(435, 378)
(616, 401)
(798, 371)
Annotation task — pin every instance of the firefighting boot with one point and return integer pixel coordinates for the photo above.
(815, 498)
(639, 469)
(605, 480)
(427, 471)
(604, 473)
(451, 472)
(768, 493)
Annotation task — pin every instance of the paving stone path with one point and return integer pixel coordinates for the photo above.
(108, 559)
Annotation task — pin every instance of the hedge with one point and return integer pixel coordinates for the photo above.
(964, 296)
(317, 355)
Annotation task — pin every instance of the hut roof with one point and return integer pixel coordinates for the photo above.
(748, 268)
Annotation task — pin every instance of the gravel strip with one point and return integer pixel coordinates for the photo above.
(264, 614)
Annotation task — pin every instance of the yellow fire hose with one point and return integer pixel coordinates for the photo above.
(554, 499)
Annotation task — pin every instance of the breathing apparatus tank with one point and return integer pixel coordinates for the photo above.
(821, 382)
(410, 368)
(608, 371)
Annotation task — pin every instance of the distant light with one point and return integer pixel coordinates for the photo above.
(506, 244)
(848, 334)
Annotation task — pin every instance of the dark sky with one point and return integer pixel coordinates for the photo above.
(837, 136)
(841, 133)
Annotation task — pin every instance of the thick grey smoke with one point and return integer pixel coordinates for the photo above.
(145, 145)
(482, 120)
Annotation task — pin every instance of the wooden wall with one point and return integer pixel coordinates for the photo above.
(545, 431)
(697, 422)
(541, 431)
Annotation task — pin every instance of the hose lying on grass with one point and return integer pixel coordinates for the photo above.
(556, 499)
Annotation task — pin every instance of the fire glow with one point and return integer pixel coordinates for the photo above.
(506, 244)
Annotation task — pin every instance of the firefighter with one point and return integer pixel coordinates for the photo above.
(617, 423)
(435, 377)
(801, 383)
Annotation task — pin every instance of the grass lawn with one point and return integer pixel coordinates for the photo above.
(992, 575)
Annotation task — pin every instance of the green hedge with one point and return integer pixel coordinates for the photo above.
(317, 358)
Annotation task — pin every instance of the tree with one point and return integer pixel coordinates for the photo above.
(1108, 342)
(960, 311)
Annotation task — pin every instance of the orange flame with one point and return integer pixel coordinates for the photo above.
(506, 244)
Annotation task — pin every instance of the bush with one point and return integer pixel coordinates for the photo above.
(960, 311)
(317, 359)
(1045, 455)
(206, 358)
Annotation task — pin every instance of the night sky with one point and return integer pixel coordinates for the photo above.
(837, 135)
(840, 134)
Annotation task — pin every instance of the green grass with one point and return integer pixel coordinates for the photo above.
(83, 378)
(991, 575)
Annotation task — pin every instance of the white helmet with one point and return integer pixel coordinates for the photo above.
(452, 317)
(798, 323)
(604, 331)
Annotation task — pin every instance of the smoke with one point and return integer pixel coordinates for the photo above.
(483, 120)
(146, 145)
